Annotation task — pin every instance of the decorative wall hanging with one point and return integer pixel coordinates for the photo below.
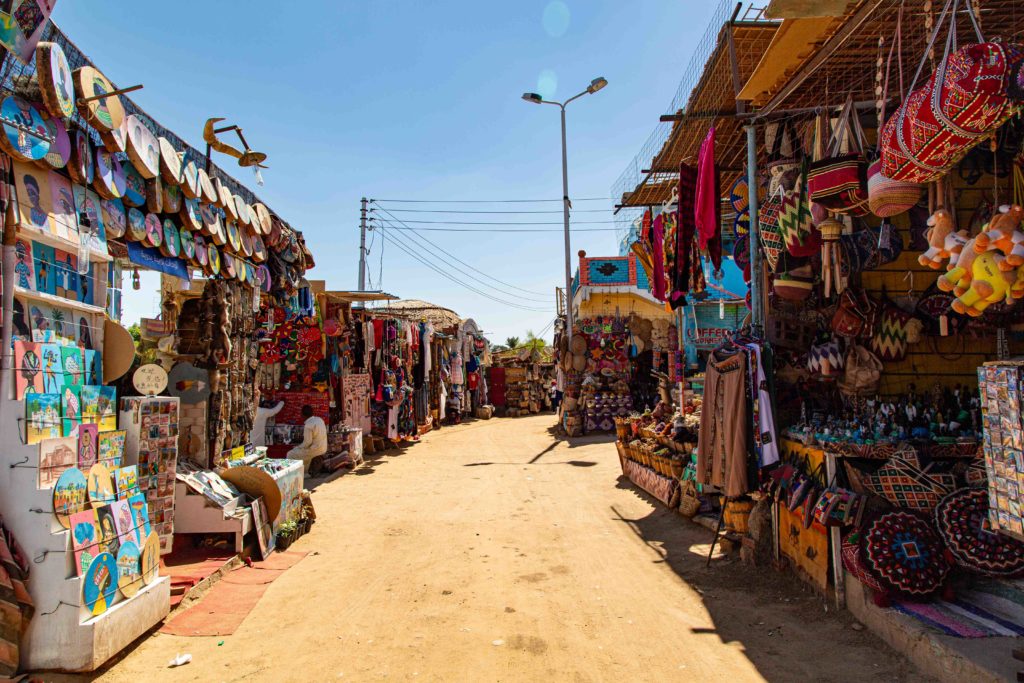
(114, 219)
(115, 141)
(110, 182)
(81, 167)
(99, 584)
(129, 569)
(59, 153)
(55, 80)
(25, 135)
(69, 495)
(170, 162)
(104, 113)
(143, 148)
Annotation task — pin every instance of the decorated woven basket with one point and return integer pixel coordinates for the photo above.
(962, 521)
(904, 555)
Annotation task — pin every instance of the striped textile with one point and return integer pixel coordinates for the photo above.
(990, 608)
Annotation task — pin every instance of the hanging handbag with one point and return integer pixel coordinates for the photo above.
(890, 340)
(794, 285)
(903, 482)
(850, 319)
(825, 358)
(772, 240)
(863, 373)
(795, 220)
(887, 197)
(839, 180)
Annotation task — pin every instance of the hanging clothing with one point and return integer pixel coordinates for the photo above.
(765, 438)
(658, 251)
(708, 202)
(689, 271)
(722, 444)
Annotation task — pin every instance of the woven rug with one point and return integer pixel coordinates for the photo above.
(989, 608)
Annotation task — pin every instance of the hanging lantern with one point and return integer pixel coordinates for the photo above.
(136, 279)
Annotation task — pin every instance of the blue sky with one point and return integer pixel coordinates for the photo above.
(409, 100)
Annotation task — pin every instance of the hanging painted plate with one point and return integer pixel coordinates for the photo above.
(101, 485)
(155, 195)
(250, 274)
(259, 250)
(245, 241)
(188, 179)
(69, 495)
(25, 136)
(136, 225)
(151, 558)
(188, 245)
(55, 82)
(233, 240)
(105, 113)
(172, 198)
(218, 232)
(240, 271)
(191, 214)
(170, 162)
(80, 168)
(223, 195)
(202, 256)
(99, 585)
(134, 187)
(263, 277)
(59, 153)
(227, 266)
(228, 200)
(154, 231)
(261, 218)
(171, 245)
(114, 221)
(143, 147)
(242, 209)
(110, 182)
(213, 267)
(116, 141)
(129, 569)
(207, 192)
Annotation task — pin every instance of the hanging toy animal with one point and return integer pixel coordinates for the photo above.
(944, 242)
(989, 283)
(1001, 235)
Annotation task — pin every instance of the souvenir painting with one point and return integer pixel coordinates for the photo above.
(242, 209)
(42, 417)
(44, 257)
(233, 239)
(62, 210)
(42, 329)
(170, 162)
(81, 169)
(69, 495)
(28, 378)
(134, 187)
(140, 517)
(24, 133)
(62, 323)
(56, 456)
(188, 180)
(264, 532)
(261, 219)
(59, 153)
(84, 335)
(202, 256)
(107, 404)
(101, 485)
(188, 245)
(127, 478)
(116, 140)
(65, 274)
(143, 148)
(84, 539)
(74, 372)
(24, 26)
(213, 259)
(154, 231)
(151, 558)
(136, 225)
(110, 181)
(171, 244)
(105, 113)
(52, 368)
(99, 584)
(111, 448)
(24, 266)
(113, 217)
(123, 524)
(129, 569)
(155, 195)
(196, 216)
(93, 366)
(259, 250)
(172, 198)
(21, 327)
(88, 446)
(245, 241)
(54, 74)
(95, 233)
(71, 409)
(33, 191)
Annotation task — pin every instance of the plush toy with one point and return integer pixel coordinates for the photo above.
(989, 284)
(1001, 234)
(961, 272)
(940, 228)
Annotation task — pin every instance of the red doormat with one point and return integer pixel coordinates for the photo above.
(221, 611)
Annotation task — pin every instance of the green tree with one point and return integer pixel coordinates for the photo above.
(533, 342)
(512, 342)
(136, 332)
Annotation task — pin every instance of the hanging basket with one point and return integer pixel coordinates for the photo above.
(689, 501)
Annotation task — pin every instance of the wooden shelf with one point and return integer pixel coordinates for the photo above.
(54, 300)
(49, 239)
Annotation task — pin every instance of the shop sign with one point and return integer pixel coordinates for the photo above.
(154, 260)
(708, 336)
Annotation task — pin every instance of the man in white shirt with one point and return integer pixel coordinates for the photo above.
(314, 438)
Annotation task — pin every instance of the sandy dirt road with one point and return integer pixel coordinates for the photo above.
(492, 552)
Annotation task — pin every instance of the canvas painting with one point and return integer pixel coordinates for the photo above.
(63, 323)
(91, 404)
(88, 202)
(44, 258)
(107, 526)
(55, 457)
(71, 409)
(21, 26)
(69, 495)
(21, 327)
(127, 479)
(28, 378)
(88, 446)
(65, 274)
(87, 285)
(111, 448)
(264, 533)
(83, 331)
(32, 186)
(140, 517)
(42, 417)
(74, 372)
(84, 539)
(107, 408)
(123, 521)
(65, 223)
(42, 328)
(52, 368)
(24, 265)
(93, 366)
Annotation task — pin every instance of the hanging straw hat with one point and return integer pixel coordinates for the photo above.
(578, 344)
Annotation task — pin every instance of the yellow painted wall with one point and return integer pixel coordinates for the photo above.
(606, 304)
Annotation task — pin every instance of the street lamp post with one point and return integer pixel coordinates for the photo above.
(595, 85)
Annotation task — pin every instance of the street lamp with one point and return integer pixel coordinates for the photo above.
(595, 85)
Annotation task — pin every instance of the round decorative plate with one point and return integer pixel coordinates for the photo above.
(150, 379)
(245, 240)
(171, 246)
(207, 192)
(220, 190)
(227, 266)
(202, 255)
(143, 147)
(962, 520)
(81, 168)
(136, 225)
(191, 214)
(114, 220)
(188, 245)
(59, 153)
(25, 136)
(233, 238)
(170, 162)
(99, 585)
(129, 569)
(69, 495)
(154, 231)
(100, 485)
(225, 200)
(259, 250)
(242, 209)
(135, 187)
(110, 181)
(55, 81)
(151, 558)
(188, 179)
(105, 113)
(250, 274)
(172, 198)
(155, 195)
(209, 218)
(263, 277)
(218, 232)
(213, 258)
(116, 141)
(261, 218)
(904, 554)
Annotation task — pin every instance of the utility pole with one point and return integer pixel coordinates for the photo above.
(362, 246)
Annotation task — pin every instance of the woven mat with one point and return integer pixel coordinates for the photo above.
(991, 607)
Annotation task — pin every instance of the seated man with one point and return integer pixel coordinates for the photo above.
(314, 438)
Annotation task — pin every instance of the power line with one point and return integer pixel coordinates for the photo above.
(511, 222)
(488, 201)
(407, 250)
(510, 230)
(558, 211)
(491, 277)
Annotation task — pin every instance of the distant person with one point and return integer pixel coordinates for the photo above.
(556, 396)
(314, 438)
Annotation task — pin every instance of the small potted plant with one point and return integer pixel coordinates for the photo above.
(286, 534)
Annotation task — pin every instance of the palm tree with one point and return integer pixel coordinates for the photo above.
(533, 342)
(512, 342)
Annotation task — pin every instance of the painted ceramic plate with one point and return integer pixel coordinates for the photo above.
(245, 239)
(188, 179)
(172, 198)
(143, 147)
(99, 585)
(213, 257)
(228, 200)
(105, 113)
(155, 195)
(171, 245)
(202, 256)
(110, 182)
(223, 195)
(101, 485)
(135, 187)
(207, 192)
(259, 250)
(114, 221)
(170, 162)
(261, 218)
(59, 153)
(227, 266)
(151, 558)
(136, 225)
(116, 141)
(154, 230)
(129, 569)
(55, 80)
(192, 216)
(242, 209)
(263, 277)
(233, 239)
(188, 245)
(25, 136)
(69, 495)
(81, 168)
